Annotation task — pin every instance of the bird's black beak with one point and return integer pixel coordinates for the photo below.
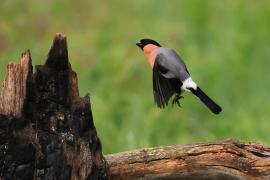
(140, 45)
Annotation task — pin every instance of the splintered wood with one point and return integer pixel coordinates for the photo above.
(46, 128)
(14, 87)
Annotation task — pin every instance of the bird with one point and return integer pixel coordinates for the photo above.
(170, 76)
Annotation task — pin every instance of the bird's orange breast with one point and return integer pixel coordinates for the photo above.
(149, 52)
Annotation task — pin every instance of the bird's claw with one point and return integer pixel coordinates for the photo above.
(176, 99)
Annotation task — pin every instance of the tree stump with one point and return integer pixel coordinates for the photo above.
(46, 128)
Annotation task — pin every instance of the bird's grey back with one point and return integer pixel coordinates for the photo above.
(170, 60)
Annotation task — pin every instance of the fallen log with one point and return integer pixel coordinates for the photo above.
(231, 160)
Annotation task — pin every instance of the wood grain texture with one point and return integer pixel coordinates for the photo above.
(228, 159)
(14, 90)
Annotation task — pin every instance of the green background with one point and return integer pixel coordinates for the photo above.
(225, 45)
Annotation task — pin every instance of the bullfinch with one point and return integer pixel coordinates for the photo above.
(170, 76)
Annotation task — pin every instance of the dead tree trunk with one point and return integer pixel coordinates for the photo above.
(46, 129)
(230, 160)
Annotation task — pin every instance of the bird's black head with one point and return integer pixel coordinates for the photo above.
(144, 42)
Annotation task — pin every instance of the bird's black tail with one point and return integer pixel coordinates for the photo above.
(207, 101)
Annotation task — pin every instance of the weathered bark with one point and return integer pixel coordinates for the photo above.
(46, 129)
(218, 160)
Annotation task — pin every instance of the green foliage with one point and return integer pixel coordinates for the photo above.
(225, 44)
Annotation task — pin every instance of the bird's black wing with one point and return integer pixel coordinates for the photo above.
(162, 87)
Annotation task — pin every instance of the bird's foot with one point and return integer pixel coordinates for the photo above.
(176, 99)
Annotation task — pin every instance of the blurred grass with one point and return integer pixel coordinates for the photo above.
(225, 44)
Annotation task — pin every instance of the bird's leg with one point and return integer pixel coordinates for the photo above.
(176, 99)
